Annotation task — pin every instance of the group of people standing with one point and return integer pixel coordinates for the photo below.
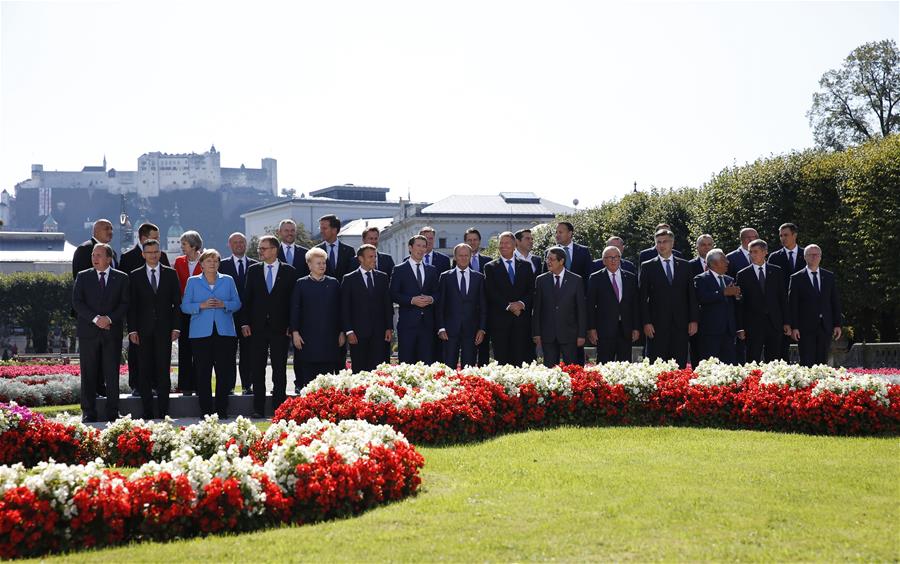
(322, 301)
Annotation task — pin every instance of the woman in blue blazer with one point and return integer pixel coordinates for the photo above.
(211, 298)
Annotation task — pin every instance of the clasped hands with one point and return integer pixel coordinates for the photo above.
(212, 303)
(422, 301)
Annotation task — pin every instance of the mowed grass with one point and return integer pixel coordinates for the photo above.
(578, 494)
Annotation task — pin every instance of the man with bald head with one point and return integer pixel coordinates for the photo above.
(815, 309)
(237, 266)
(613, 309)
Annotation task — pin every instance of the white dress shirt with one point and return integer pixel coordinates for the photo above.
(157, 268)
(516, 253)
(274, 270)
(810, 276)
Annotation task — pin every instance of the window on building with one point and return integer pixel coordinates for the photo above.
(442, 242)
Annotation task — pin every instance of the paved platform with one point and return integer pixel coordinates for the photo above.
(186, 406)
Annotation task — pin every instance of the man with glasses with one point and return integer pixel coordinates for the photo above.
(613, 311)
(815, 309)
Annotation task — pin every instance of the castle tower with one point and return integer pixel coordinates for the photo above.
(173, 236)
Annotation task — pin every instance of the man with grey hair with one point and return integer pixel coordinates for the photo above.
(237, 266)
(613, 311)
(815, 308)
(763, 306)
(698, 266)
(716, 295)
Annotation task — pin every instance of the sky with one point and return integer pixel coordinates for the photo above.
(567, 99)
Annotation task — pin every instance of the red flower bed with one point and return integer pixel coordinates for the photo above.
(40, 439)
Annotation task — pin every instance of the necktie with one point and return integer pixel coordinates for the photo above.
(428, 258)
(103, 281)
(462, 283)
(331, 258)
(722, 282)
(369, 284)
(616, 288)
(269, 281)
(762, 278)
(511, 272)
(791, 259)
(705, 268)
(419, 278)
(668, 270)
(240, 269)
(815, 276)
(557, 280)
(568, 258)
(289, 255)
(153, 279)
(474, 264)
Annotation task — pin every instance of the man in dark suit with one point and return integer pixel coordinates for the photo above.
(668, 302)
(738, 260)
(472, 237)
(559, 320)
(438, 260)
(578, 261)
(367, 311)
(716, 294)
(613, 310)
(790, 259)
(763, 306)
(237, 266)
(626, 265)
(383, 261)
(289, 251)
(815, 309)
(295, 255)
(651, 252)
(509, 287)
(341, 256)
(698, 266)
(264, 318)
(460, 310)
(100, 298)
(131, 260)
(413, 286)
(154, 322)
(524, 245)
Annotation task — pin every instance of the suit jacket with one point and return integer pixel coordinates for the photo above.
(267, 313)
(439, 261)
(88, 301)
(460, 314)
(761, 310)
(483, 260)
(662, 303)
(385, 263)
(559, 315)
(134, 258)
(81, 260)
(345, 258)
(228, 267)
(154, 313)
(581, 262)
(780, 258)
(717, 311)
(696, 266)
(810, 309)
(500, 292)
(736, 262)
(299, 263)
(649, 254)
(181, 269)
(196, 292)
(404, 287)
(605, 311)
(366, 313)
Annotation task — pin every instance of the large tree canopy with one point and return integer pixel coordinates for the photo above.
(860, 101)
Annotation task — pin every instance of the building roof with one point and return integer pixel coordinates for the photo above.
(22, 246)
(505, 203)
(355, 228)
(330, 189)
(329, 201)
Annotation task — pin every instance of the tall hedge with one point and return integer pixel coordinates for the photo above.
(37, 302)
(846, 202)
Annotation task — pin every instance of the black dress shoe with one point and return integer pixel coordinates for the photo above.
(87, 419)
(223, 416)
(257, 415)
(187, 393)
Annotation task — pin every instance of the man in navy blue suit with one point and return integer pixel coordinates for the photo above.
(341, 256)
(763, 306)
(460, 310)
(613, 309)
(578, 260)
(295, 255)
(651, 252)
(367, 311)
(790, 259)
(815, 309)
(668, 302)
(472, 237)
(383, 261)
(738, 260)
(438, 260)
(509, 286)
(524, 245)
(716, 295)
(413, 286)
(236, 266)
(698, 266)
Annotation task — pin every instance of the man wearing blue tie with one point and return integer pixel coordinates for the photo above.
(438, 260)
(472, 237)
(460, 309)
(413, 286)
(236, 266)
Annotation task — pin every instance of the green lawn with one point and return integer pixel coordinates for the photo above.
(578, 494)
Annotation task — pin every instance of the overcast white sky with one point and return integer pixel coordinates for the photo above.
(568, 99)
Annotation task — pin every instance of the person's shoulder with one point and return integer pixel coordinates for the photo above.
(748, 269)
(679, 260)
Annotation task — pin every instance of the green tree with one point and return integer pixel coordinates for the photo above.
(860, 101)
(36, 301)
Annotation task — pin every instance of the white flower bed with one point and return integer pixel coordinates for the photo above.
(713, 372)
(547, 381)
(845, 384)
(54, 482)
(638, 378)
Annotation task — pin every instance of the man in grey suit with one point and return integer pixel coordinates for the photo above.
(559, 320)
